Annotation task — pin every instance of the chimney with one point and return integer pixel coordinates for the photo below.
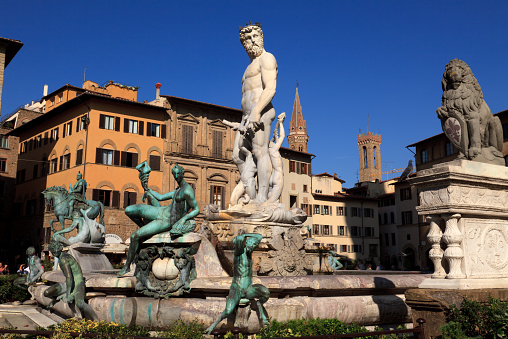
(158, 90)
(45, 91)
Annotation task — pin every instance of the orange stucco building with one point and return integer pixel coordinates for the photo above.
(102, 132)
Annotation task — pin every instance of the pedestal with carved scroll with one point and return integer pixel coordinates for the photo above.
(466, 204)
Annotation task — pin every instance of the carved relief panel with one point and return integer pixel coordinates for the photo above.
(485, 246)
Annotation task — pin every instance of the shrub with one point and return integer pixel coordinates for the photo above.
(184, 330)
(477, 320)
(10, 292)
(310, 327)
(101, 327)
(48, 265)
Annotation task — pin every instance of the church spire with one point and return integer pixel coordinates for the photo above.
(297, 136)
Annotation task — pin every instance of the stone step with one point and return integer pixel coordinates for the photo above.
(20, 321)
(4, 322)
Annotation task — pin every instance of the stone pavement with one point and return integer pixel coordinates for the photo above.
(27, 316)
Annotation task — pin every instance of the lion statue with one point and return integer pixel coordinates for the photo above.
(482, 136)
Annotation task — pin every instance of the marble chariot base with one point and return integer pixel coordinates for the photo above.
(365, 299)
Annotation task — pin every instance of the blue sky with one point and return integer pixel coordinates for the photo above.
(354, 61)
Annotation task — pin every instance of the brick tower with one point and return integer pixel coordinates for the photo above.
(369, 151)
(297, 136)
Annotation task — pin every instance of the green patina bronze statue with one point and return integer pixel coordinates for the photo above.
(35, 267)
(65, 203)
(76, 192)
(333, 261)
(177, 218)
(72, 291)
(242, 290)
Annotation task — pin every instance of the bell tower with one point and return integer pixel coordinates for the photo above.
(297, 136)
(369, 151)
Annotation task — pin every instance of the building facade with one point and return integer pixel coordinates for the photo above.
(199, 141)
(344, 222)
(297, 190)
(102, 136)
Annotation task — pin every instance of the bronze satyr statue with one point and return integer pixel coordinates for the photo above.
(333, 261)
(242, 289)
(72, 291)
(36, 270)
(465, 117)
(173, 218)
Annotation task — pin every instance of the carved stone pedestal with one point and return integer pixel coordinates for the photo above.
(90, 257)
(466, 204)
(281, 252)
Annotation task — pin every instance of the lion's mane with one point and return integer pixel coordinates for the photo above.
(468, 97)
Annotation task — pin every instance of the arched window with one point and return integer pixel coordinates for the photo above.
(392, 217)
(365, 157)
(386, 218)
(129, 197)
(129, 158)
(107, 196)
(79, 155)
(65, 161)
(53, 164)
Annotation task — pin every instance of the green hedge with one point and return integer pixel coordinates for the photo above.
(477, 320)
(184, 330)
(180, 329)
(194, 329)
(312, 327)
(10, 292)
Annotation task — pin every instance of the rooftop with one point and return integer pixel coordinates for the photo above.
(13, 47)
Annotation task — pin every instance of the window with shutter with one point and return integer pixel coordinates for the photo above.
(129, 159)
(155, 162)
(116, 158)
(217, 196)
(163, 131)
(292, 166)
(187, 135)
(79, 157)
(129, 198)
(141, 128)
(35, 173)
(116, 199)
(217, 144)
(104, 196)
(67, 161)
(117, 124)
